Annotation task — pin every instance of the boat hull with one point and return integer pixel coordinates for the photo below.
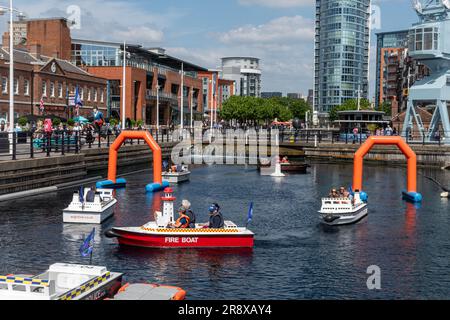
(345, 218)
(177, 178)
(88, 217)
(191, 240)
(289, 168)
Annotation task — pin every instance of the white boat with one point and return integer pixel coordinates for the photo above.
(176, 177)
(62, 282)
(341, 211)
(82, 211)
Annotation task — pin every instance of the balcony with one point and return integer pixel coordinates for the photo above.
(151, 95)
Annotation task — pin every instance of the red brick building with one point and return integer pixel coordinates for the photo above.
(53, 80)
(215, 90)
(146, 70)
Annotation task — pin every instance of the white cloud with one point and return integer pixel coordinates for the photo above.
(278, 30)
(109, 20)
(284, 45)
(278, 3)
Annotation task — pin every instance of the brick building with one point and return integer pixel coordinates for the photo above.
(146, 70)
(215, 90)
(53, 80)
(53, 34)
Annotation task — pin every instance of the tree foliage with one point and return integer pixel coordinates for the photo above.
(257, 110)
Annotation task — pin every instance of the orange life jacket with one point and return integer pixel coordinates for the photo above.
(183, 226)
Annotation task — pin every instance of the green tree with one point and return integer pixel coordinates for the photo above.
(22, 121)
(386, 107)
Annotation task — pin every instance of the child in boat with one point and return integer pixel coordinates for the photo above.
(182, 222)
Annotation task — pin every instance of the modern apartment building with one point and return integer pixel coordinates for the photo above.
(396, 71)
(215, 90)
(342, 44)
(246, 72)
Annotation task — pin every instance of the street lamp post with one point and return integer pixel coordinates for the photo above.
(157, 106)
(192, 108)
(3, 11)
(182, 95)
(124, 77)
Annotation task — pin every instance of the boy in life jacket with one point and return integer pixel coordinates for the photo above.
(183, 221)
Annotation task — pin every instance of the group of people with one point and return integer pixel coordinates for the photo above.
(187, 219)
(342, 193)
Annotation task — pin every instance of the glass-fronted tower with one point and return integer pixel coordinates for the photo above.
(341, 52)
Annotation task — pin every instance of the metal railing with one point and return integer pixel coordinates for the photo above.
(22, 145)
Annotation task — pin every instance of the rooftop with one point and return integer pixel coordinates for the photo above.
(154, 54)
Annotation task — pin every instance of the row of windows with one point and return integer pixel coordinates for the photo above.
(26, 86)
(55, 90)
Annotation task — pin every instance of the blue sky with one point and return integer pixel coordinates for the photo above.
(280, 32)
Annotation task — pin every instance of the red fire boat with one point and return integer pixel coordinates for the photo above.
(155, 234)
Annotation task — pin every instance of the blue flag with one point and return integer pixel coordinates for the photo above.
(88, 245)
(78, 102)
(250, 213)
(81, 192)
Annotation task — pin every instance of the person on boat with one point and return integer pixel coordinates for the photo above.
(216, 220)
(183, 220)
(285, 160)
(343, 193)
(187, 206)
(334, 194)
(90, 196)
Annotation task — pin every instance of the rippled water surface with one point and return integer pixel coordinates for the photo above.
(295, 257)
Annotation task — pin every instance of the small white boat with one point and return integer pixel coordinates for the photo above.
(62, 282)
(82, 211)
(177, 176)
(342, 211)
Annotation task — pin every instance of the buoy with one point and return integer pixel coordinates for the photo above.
(278, 172)
(109, 184)
(155, 187)
(412, 196)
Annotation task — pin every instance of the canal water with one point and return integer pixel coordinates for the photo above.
(295, 257)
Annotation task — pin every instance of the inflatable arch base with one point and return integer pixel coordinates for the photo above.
(155, 187)
(109, 184)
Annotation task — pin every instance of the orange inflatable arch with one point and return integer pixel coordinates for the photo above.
(401, 144)
(147, 137)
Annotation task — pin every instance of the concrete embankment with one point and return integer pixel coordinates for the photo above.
(427, 156)
(36, 176)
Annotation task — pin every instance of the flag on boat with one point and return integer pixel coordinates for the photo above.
(81, 192)
(250, 213)
(88, 245)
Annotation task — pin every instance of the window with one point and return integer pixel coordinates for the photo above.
(26, 87)
(95, 94)
(52, 89)
(4, 85)
(60, 90)
(16, 86)
(89, 95)
(44, 88)
(102, 96)
(81, 93)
